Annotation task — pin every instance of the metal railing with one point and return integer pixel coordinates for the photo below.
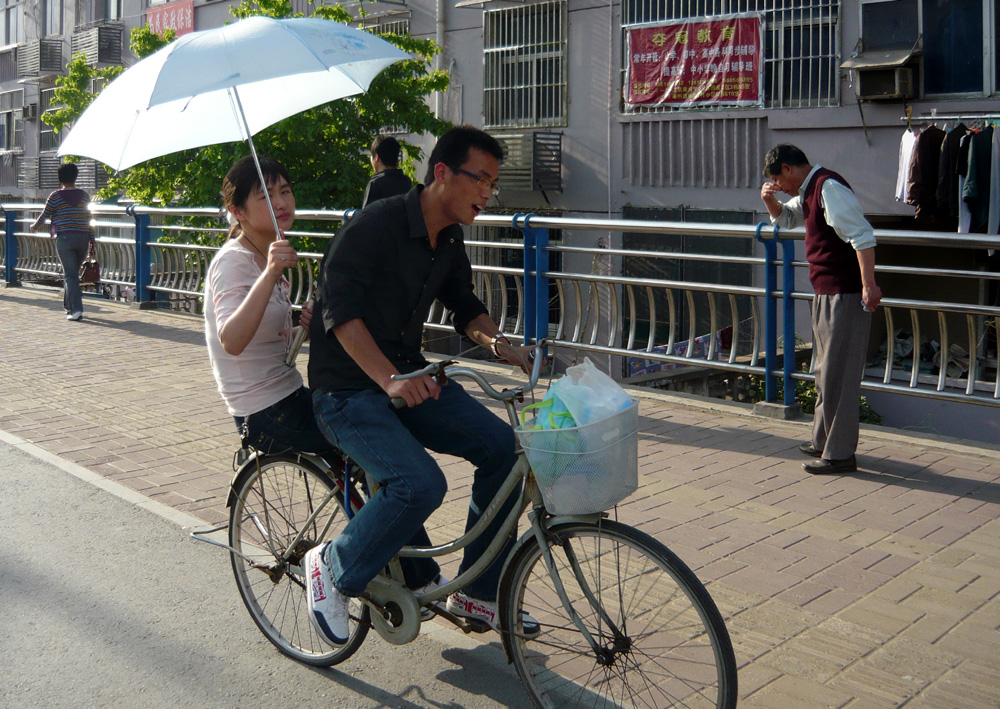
(597, 310)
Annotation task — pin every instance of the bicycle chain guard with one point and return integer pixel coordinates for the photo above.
(395, 613)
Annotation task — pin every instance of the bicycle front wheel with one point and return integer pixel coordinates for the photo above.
(274, 500)
(659, 640)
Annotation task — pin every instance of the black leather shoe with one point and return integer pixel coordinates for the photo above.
(831, 467)
(808, 449)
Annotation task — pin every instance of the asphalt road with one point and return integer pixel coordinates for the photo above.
(105, 603)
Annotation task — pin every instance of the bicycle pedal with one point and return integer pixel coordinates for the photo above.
(478, 626)
(466, 625)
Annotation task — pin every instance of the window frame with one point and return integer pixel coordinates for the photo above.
(12, 9)
(11, 125)
(536, 98)
(990, 54)
(46, 105)
(53, 17)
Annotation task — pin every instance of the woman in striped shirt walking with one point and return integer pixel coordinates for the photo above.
(67, 208)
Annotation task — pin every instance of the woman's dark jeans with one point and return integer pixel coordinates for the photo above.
(285, 427)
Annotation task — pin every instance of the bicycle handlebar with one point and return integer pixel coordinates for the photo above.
(444, 367)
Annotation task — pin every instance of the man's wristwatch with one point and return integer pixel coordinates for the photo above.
(496, 340)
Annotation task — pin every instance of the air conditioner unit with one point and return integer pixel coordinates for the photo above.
(533, 161)
(29, 111)
(886, 83)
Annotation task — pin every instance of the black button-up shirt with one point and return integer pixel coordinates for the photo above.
(380, 267)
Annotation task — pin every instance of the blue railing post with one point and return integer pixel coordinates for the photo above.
(536, 284)
(143, 256)
(770, 313)
(541, 284)
(788, 314)
(529, 277)
(10, 247)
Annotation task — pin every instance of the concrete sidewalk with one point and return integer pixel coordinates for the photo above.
(878, 589)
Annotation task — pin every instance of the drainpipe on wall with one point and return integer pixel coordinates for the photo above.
(439, 38)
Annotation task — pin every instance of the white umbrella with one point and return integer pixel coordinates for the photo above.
(225, 85)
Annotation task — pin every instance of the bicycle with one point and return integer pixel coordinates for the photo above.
(624, 622)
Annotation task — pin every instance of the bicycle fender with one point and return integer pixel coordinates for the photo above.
(529, 535)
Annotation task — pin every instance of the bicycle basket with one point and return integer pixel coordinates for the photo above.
(588, 468)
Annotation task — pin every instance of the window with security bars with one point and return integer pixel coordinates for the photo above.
(389, 25)
(801, 45)
(11, 125)
(48, 139)
(524, 85)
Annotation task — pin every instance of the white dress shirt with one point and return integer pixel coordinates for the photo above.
(840, 208)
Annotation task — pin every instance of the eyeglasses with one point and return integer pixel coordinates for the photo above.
(484, 183)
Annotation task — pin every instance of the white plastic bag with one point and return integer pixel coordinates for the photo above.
(591, 395)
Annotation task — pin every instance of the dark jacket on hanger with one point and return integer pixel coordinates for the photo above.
(922, 185)
(947, 189)
(976, 192)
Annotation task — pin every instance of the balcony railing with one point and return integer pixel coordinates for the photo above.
(598, 311)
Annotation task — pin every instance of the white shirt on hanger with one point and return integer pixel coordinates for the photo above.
(906, 144)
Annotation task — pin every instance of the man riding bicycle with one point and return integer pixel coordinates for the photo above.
(378, 279)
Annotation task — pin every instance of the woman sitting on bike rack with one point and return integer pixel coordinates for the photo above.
(248, 315)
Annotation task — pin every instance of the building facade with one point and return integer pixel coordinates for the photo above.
(549, 77)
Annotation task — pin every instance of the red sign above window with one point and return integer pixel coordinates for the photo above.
(177, 16)
(701, 62)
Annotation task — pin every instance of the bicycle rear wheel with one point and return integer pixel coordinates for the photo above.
(273, 502)
(671, 648)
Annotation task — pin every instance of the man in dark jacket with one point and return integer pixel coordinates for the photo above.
(388, 180)
(840, 249)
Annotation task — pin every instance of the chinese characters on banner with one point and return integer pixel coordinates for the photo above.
(177, 16)
(700, 62)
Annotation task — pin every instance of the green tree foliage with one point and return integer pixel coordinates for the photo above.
(325, 148)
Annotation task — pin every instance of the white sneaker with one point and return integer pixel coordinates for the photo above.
(425, 612)
(467, 607)
(328, 607)
(75, 316)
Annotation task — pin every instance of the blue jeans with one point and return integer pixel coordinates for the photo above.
(391, 446)
(286, 426)
(72, 248)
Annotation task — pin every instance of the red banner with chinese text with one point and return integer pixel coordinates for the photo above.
(701, 62)
(177, 16)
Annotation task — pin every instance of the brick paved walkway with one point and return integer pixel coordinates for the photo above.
(879, 589)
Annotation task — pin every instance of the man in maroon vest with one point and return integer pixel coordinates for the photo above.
(840, 249)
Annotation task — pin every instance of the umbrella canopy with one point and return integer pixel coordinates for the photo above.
(224, 85)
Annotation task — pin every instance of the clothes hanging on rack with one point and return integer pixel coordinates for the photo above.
(976, 192)
(947, 188)
(923, 180)
(993, 220)
(962, 168)
(906, 144)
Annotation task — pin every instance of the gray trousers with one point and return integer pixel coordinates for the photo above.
(840, 338)
(72, 249)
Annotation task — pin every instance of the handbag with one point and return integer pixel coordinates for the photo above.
(90, 270)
